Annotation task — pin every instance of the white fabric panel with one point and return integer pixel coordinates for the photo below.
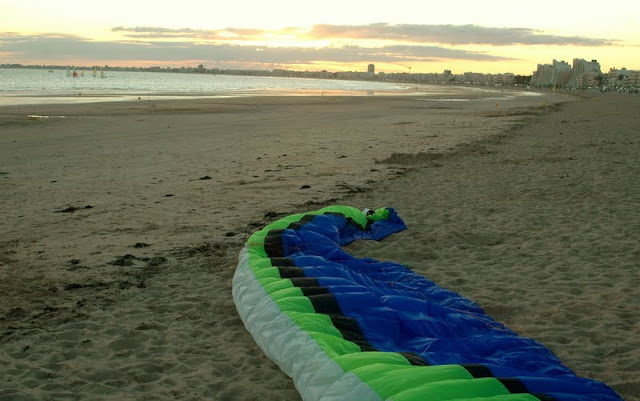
(315, 375)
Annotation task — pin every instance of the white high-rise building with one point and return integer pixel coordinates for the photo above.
(555, 74)
(584, 73)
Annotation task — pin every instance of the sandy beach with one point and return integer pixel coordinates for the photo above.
(121, 224)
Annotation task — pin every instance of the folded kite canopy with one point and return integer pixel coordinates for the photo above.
(357, 329)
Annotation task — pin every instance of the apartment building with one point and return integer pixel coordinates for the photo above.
(590, 70)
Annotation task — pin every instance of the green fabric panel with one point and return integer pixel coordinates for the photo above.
(370, 372)
(256, 250)
(379, 214)
(395, 381)
(257, 238)
(354, 361)
(262, 233)
(295, 304)
(335, 341)
(268, 281)
(453, 390)
(315, 322)
(267, 273)
(333, 345)
(256, 263)
(273, 285)
(260, 262)
(290, 292)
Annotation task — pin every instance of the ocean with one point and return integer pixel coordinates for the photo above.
(41, 85)
(34, 86)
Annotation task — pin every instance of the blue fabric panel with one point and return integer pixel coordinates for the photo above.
(401, 311)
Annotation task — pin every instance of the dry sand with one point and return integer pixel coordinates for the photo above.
(121, 223)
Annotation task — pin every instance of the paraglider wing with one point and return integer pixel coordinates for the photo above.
(358, 329)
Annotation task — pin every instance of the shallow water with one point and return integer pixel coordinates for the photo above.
(37, 86)
(22, 85)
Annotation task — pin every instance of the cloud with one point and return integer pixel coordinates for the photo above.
(436, 52)
(437, 34)
(68, 48)
(451, 34)
(228, 34)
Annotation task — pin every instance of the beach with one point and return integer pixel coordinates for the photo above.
(122, 222)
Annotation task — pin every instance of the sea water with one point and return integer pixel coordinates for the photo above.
(21, 83)
(32, 85)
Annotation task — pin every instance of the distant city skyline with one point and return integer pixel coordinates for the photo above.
(405, 36)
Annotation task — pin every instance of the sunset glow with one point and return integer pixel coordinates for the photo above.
(495, 36)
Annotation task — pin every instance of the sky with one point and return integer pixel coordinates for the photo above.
(397, 36)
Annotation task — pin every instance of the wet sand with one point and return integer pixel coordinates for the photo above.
(122, 223)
